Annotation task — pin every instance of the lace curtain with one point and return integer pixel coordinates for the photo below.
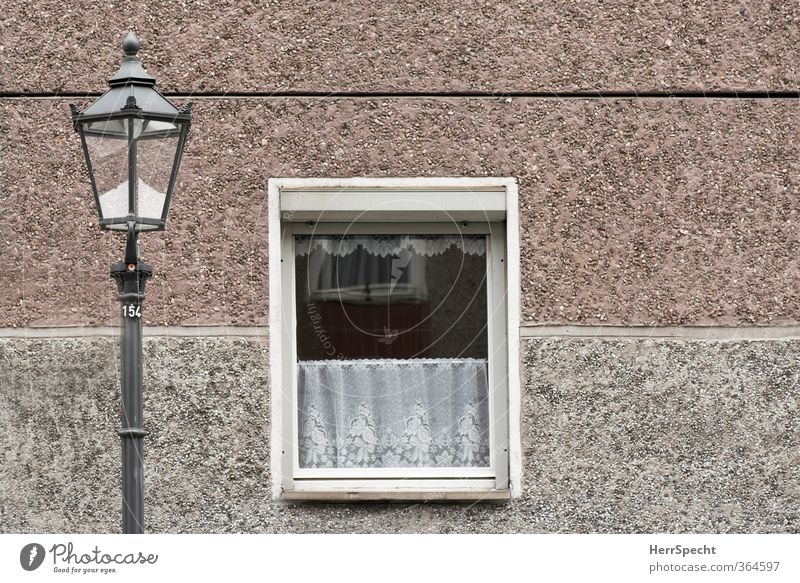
(393, 413)
(388, 245)
(375, 267)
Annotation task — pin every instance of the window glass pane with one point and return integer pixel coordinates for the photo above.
(393, 413)
(392, 350)
(391, 297)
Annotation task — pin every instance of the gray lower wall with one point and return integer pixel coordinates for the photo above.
(619, 435)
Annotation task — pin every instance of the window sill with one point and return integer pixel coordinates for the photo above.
(397, 495)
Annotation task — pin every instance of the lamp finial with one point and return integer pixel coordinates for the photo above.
(130, 44)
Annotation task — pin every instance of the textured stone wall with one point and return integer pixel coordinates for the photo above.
(635, 212)
(624, 435)
(434, 45)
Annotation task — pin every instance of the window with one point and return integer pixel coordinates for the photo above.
(393, 371)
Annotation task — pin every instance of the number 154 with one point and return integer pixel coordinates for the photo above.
(132, 311)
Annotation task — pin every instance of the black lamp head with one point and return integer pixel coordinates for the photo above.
(133, 139)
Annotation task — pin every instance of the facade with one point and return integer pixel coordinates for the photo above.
(634, 168)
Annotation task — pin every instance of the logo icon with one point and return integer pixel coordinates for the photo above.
(31, 556)
(399, 265)
(389, 336)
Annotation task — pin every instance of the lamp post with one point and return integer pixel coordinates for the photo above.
(133, 139)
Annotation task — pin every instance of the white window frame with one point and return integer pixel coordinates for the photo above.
(399, 205)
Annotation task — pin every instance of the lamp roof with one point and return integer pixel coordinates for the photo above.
(131, 87)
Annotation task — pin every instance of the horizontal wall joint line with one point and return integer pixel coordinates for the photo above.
(289, 94)
(526, 330)
(529, 330)
(147, 331)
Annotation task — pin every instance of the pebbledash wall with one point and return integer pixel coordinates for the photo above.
(656, 152)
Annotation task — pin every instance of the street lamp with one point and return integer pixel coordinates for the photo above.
(132, 138)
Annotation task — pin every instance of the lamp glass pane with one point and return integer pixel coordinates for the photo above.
(109, 158)
(154, 127)
(110, 128)
(155, 158)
